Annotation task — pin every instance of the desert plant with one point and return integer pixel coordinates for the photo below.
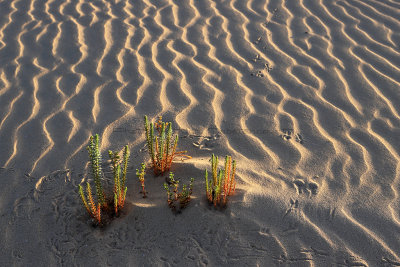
(222, 181)
(95, 163)
(162, 147)
(173, 194)
(140, 174)
(120, 189)
(119, 182)
(184, 196)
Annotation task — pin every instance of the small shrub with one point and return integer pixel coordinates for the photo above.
(140, 174)
(95, 163)
(223, 183)
(119, 182)
(120, 189)
(183, 198)
(162, 147)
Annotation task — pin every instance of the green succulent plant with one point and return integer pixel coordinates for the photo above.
(222, 183)
(173, 194)
(120, 189)
(162, 147)
(140, 174)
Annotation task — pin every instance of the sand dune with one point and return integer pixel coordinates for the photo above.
(305, 95)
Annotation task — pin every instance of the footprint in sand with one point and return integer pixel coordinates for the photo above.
(288, 133)
(303, 186)
(256, 57)
(313, 187)
(257, 74)
(299, 138)
(300, 185)
(267, 67)
(258, 40)
(205, 142)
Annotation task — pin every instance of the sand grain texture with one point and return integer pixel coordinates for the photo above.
(304, 94)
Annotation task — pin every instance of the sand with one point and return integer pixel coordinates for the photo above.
(304, 94)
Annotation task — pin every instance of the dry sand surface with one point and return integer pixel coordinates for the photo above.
(304, 94)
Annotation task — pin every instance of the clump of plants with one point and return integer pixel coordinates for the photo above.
(140, 174)
(103, 204)
(222, 183)
(175, 198)
(162, 146)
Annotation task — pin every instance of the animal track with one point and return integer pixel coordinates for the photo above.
(294, 204)
(313, 187)
(204, 142)
(306, 186)
(267, 67)
(299, 139)
(257, 74)
(265, 24)
(256, 58)
(288, 133)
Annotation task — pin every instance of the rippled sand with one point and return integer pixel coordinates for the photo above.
(304, 94)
